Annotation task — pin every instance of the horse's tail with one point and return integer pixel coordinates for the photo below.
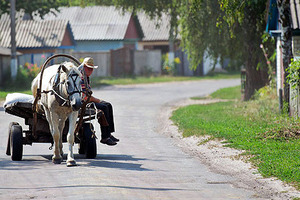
(34, 85)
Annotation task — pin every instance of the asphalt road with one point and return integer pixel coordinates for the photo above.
(144, 165)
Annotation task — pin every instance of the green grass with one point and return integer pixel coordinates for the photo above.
(231, 93)
(254, 126)
(227, 93)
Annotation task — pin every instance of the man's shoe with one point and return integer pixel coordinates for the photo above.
(108, 141)
(114, 139)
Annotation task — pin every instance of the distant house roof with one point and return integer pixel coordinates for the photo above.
(95, 23)
(6, 52)
(156, 29)
(34, 34)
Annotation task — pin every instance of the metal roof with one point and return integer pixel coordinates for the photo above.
(156, 29)
(33, 34)
(94, 23)
(295, 13)
(6, 51)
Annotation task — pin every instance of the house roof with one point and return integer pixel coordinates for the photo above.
(156, 29)
(7, 51)
(94, 23)
(34, 34)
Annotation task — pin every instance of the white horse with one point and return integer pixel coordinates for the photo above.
(61, 102)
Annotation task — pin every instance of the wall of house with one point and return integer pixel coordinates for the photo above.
(147, 62)
(90, 46)
(208, 64)
(131, 32)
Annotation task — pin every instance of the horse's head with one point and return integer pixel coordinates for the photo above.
(72, 85)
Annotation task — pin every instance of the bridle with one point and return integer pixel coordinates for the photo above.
(70, 88)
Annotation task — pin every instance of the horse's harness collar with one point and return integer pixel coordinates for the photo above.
(71, 89)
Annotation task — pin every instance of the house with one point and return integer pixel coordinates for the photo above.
(37, 40)
(156, 37)
(275, 29)
(105, 33)
(100, 28)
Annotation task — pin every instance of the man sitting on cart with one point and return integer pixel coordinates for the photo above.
(106, 137)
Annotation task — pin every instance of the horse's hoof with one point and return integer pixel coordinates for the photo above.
(71, 163)
(57, 160)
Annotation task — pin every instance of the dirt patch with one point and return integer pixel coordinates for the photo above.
(224, 160)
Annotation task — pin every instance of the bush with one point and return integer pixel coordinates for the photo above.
(23, 79)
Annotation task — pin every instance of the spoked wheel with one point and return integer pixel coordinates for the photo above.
(15, 142)
(90, 146)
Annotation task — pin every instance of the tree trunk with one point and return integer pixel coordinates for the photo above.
(285, 20)
(255, 78)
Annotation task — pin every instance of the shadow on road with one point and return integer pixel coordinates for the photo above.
(124, 162)
(93, 186)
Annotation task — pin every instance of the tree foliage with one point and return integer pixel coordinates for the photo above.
(32, 7)
(250, 17)
(202, 30)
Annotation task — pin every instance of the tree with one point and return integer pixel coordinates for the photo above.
(33, 7)
(203, 27)
(250, 17)
(202, 30)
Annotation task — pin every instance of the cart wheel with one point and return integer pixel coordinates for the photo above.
(90, 141)
(16, 142)
(9, 134)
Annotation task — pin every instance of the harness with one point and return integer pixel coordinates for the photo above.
(57, 87)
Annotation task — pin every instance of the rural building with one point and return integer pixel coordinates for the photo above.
(37, 40)
(275, 29)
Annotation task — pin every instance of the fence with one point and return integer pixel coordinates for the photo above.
(101, 59)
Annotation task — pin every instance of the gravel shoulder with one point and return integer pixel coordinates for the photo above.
(224, 160)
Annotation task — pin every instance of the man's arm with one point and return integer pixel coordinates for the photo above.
(94, 99)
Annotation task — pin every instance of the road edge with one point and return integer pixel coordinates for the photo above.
(223, 160)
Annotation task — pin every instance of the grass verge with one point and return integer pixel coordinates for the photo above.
(230, 93)
(254, 126)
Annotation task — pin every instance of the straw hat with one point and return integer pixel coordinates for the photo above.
(89, 62)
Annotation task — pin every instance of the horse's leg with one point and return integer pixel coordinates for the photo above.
(61, 126)
(56, 158)
(49, 117)
(71, 138)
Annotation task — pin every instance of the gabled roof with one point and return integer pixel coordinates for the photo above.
(7, 52)
(34, 34)
(156, 29)
(95, 23)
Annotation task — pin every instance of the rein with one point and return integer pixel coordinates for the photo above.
(38, 94)
(56, 90)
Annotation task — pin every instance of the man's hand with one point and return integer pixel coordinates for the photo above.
(89, 92)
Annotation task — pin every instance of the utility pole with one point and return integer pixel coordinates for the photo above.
(13, 61)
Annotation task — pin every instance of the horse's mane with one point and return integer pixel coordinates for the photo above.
(70, 66)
